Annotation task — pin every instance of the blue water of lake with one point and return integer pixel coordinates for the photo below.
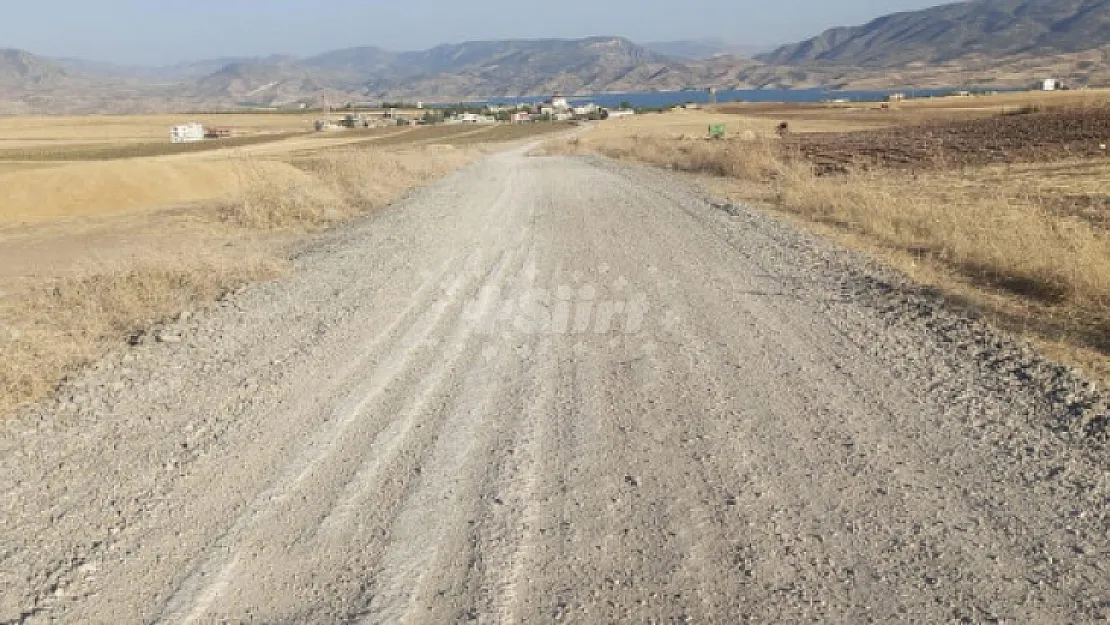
(662, 99)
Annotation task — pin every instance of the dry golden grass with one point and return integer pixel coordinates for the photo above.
(38, 195)
(104, 188)
(753, 159)
(50, 329)
(35, 131)
(10, 167)
(678, 124)
(61, 312)
(59, 321)
(998, 101)
(506, 133)
(1023, 248)
(857, 116)
(1017, 254)
(335, 185)
(39, 192)
(117, 151)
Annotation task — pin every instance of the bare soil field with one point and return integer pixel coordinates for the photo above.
(1020, 137)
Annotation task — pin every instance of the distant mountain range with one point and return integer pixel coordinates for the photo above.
(981, 28)
(451, 71)
(192, 70)
(990, 43)
(19, 68)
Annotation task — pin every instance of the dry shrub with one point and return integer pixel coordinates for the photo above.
(52, 329)
(269, 200)
(325, 189)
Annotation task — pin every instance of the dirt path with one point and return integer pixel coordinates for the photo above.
(552, 389)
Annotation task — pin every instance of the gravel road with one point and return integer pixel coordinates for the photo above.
(561, 389)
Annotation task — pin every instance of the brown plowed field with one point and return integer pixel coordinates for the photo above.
(1023, 137)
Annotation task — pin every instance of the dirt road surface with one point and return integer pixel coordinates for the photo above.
(559, 389)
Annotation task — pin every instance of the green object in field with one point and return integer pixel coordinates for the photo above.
(717, 131)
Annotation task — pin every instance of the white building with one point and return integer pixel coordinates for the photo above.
(472, 118)
(1052, 84)
(187, 133)
(560, 103)
(586, 109)
(618, 113)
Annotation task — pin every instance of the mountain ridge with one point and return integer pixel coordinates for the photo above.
(18, 67)
(533, 67)
(1000, 28)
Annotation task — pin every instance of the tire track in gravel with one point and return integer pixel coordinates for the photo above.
(439, 300)
(788, 433)
(514, 534)
(428, 544)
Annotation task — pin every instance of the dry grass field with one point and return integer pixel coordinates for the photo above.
(501, 133)
(71, 152)
(34, 131)
(53, 134)
(117, 229)
(1006, 212)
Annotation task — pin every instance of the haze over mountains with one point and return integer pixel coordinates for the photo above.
(452, 71)
(701, 49)
(979, 43)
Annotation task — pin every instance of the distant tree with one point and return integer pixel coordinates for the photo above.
(625, 105)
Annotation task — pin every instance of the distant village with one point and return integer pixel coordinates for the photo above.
(556, 109)
(377, 115)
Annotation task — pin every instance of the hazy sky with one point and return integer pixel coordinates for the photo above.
(167, 31)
